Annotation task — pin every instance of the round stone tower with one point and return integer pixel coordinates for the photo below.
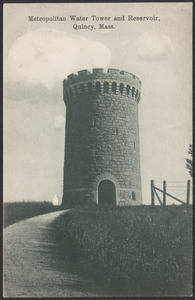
(102, 157)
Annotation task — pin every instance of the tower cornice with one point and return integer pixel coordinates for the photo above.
(86, 82)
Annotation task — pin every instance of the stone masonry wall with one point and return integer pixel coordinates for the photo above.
(102, 135)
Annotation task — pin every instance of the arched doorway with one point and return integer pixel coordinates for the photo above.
(106, 193)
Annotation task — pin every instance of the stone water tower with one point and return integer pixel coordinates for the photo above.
(102, 157)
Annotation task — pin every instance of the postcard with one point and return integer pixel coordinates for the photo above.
(97, 112)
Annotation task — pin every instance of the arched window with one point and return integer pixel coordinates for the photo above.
(133, 91)
(114, 87)
(116, 130)
(133, 196)
(106, 87)
(121, 88)
(89, 85)
(128, 90)
(82, 87)
(97, 86)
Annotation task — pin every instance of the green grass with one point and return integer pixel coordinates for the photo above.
(17, 211)
(137, 251)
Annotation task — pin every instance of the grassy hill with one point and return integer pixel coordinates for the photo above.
(136, 251)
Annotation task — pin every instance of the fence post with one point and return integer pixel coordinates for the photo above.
(164, 193)
(152, 192)
(188, 194)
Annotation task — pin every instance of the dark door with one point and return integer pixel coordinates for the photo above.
(106, 193)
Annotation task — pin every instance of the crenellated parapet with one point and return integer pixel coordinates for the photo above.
(98, 81)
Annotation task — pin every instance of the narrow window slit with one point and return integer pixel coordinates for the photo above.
(128, 90)
(114, 87)
(133, 91)
(98, 88)
(121, 88)
(106, 87)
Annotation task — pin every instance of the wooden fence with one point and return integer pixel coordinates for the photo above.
(163, 199)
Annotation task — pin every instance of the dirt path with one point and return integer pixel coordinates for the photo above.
(33, 266)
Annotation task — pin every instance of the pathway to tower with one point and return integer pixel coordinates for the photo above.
(35, 267)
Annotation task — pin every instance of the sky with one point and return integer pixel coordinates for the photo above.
(38, 55)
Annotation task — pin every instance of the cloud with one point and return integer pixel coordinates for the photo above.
(44, 57)
(153, 47)
(33, 93)
(59, 123)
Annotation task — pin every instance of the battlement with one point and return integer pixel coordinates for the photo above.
(100, 81)
(102, 73)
